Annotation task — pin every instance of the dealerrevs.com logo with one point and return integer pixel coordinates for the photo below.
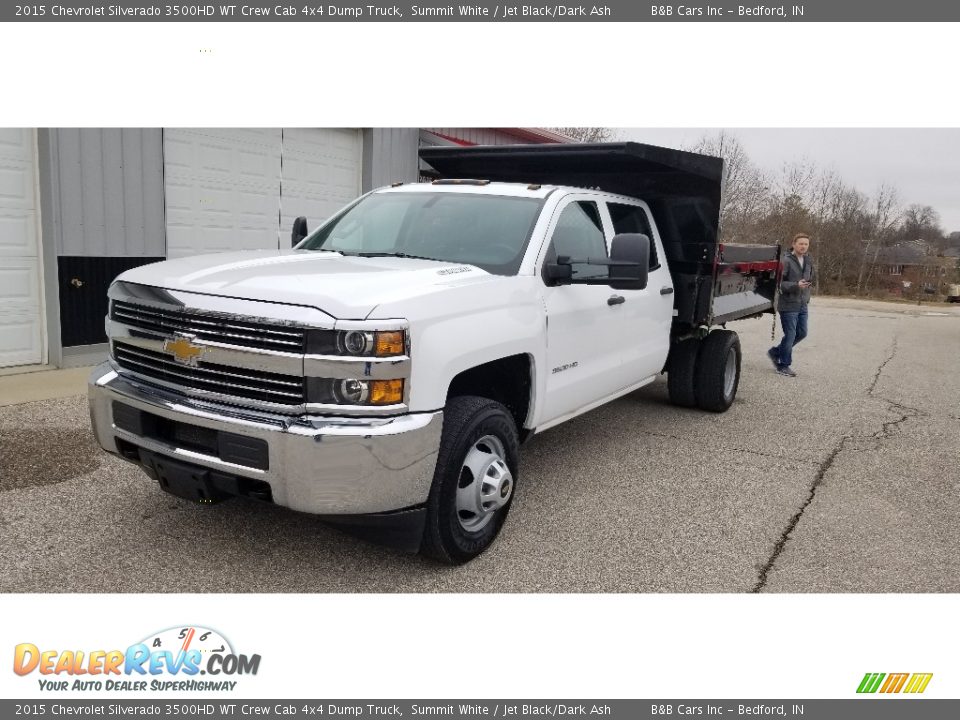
(172, 659)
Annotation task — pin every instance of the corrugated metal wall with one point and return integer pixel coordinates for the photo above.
(103, 213)
(110, 184)
(389, 156)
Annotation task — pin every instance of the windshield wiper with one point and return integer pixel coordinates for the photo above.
(392, 254)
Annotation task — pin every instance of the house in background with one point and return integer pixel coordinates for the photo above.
(909, 269)
(80, 206)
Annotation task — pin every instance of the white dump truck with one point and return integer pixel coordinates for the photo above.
(384, 371)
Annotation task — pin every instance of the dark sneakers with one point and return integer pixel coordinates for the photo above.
(774, 357)
(781, 369)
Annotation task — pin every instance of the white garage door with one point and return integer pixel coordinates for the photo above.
(321, 174)
(223, 187)
(21, 318)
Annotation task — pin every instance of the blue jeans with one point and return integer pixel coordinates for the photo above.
(794, 330)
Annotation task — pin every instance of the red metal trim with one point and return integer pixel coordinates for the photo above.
(535, 135)
(759, 266)
(456, 140)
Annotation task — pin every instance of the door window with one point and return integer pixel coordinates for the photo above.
(579, 235)
(633, 219)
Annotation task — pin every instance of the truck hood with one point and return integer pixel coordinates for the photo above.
(345, 287)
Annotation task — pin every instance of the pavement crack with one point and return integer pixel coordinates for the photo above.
(728, 448)
(663, 435)
(906, 413)
(792, 524)
(876, 377)
(887, 429)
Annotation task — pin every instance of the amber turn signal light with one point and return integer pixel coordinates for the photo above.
(390, 343)
(386, 392)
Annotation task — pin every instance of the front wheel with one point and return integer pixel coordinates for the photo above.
(718, 370)
(474, 481)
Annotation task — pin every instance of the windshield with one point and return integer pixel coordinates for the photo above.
(489, 231)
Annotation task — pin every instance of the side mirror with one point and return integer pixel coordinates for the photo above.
(629, 261)
(560, 271)
(299, 230)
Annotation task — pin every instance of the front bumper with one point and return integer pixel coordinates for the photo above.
(320, 465)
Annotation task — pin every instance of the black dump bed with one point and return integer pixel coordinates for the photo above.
(714, 283)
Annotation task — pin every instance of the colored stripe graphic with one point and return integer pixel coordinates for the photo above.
(915, 683)
(870, 682)
(894, 682)
(918, 683)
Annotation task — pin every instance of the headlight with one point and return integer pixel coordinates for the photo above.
(328, 391)
(357, 343)
(351, 392)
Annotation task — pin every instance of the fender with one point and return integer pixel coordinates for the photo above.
(466, 326)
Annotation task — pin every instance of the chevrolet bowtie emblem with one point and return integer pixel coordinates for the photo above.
(183, 349)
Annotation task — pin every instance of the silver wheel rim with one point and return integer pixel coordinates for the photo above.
(485, 483)
(730, 373)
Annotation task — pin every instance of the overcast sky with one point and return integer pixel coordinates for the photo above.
(923, 164)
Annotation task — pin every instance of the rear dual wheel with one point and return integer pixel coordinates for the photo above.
(705, 373)
(682, 372)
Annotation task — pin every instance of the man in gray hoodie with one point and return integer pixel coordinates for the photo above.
(798, 277)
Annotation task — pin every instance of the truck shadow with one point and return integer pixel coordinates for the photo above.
(35, 456)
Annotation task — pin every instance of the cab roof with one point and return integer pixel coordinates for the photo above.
(467, 185)
(682, 189)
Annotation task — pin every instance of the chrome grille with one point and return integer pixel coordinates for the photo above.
(210, 377)
(212, 328)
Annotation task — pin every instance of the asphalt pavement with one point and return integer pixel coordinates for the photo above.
(843, 479)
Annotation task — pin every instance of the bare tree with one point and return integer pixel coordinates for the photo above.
(797, 178)
(922, 222)
(784, 217)
(881, 224)
(745, 189)
(848, 227)
(587, 134)
(789, 208)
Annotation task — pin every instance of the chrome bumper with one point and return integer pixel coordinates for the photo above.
(322, 465)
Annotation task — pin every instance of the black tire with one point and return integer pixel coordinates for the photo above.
(682, 373)
(713, 392)
(466, 420)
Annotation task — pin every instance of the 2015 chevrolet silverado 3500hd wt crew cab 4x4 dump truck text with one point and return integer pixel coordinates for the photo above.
(384, 371)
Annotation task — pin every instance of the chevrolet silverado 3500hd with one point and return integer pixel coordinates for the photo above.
(384, 371)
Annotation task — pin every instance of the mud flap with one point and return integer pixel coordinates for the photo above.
(401, 530)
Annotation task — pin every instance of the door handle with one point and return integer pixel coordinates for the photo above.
(616, 300)
(666, 291)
